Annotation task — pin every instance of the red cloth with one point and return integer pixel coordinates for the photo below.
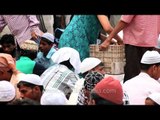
(110, 89)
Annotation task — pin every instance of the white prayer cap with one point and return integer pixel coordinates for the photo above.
(67, 53)
(89, 63)
(53, 97)
(150, 57)
(48, 36)
(155, 97)
(7, 91)
(31, 78)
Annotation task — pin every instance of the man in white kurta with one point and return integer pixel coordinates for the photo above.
(139, 87)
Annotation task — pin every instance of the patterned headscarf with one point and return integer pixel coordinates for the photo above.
(91, 79)
(29, 45)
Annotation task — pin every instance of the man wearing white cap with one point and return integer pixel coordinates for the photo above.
(92, 64)
(138, 37)
(47, 49)
(89, 64)
(64, 74)
(30, 86)
(139, 87)
(8, 70)
(28, 52)
(7, 92)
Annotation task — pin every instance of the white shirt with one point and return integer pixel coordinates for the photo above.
(139, 87)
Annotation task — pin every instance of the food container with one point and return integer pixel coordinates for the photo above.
(113, 58)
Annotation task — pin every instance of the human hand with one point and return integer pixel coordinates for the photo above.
(34, 35)
(120, 42)
(104, 45)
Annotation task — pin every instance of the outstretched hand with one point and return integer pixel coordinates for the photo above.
(104, 45)
(107, 42)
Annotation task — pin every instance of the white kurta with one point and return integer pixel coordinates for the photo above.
(139, 87)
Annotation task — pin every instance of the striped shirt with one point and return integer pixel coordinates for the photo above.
(20, 26)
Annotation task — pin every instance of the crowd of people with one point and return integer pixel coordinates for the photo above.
(38, 67)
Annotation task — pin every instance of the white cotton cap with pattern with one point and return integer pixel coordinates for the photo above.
(48, 36)
(89, 63)
(150, 57)
(7, 91)
(29, 45)
(53, 97)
